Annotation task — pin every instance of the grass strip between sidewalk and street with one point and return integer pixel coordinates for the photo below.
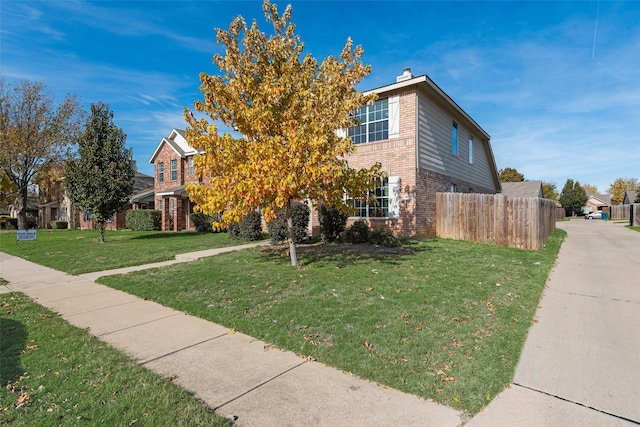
(56, 374)
(442, 319)
(78, 251)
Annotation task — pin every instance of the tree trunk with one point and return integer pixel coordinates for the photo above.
(292, 244)
(22, 214)
(101, 228)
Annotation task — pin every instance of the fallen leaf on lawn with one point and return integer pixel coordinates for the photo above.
(455, 399)
(367, 345)
(23, 399)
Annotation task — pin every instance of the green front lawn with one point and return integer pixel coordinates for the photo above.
(441, 319)
(54, 374)
(79, 251)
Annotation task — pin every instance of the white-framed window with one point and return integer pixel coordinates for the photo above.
(159, 204)
(174, 170)
(454, 139)
(373, 123)
(378, 208)
(161, 172)
(470, 149)
(191, 168)
(87, 214)
(454, 188)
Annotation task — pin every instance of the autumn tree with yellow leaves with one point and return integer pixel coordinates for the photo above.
(289, 109)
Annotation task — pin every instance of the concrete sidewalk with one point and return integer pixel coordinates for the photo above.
(233, 373)
(581, 362)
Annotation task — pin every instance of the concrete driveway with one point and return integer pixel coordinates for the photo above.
(581, 361)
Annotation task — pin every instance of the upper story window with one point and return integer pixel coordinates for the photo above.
(471, 149)
(374, 123)
(191, 168)
(454, 139)
(374, 209)
(174, 170)
(161, 172)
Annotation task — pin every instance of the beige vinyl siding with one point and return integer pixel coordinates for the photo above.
(434, 146)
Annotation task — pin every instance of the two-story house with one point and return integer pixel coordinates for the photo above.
(426, 144)
(424, 141)
(173, 164)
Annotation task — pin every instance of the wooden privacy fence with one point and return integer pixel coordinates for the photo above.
(520, 222)
(620, 212)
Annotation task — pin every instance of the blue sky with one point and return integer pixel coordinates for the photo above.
(555, 83)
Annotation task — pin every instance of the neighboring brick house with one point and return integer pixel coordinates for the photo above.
(173, 164)
(52, 209)
(597, 202)
(426, 144)
(141, 198)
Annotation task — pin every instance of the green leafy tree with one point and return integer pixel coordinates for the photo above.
(549, 191)
(35, 132)
(289, 109)
(573, 196)
(620, 186)
(101, 178)
(510, 175)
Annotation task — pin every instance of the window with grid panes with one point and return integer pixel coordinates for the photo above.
(161, 172)
(373, 123)
(174, 170)
(378, 208)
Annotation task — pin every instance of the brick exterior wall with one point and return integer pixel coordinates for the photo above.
(418, 187)
(118, 223)
(182, 205)
(398, 158)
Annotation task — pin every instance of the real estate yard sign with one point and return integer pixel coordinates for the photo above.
(25, 235)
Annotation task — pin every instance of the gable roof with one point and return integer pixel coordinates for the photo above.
(429, 87)
(599, 199)
(142, 183)
(522, 189)
(178, 142)
(629, 197)
(425, 82)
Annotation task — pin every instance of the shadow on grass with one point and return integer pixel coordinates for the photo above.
(344, 254)
(12, 344)
(168, 235)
